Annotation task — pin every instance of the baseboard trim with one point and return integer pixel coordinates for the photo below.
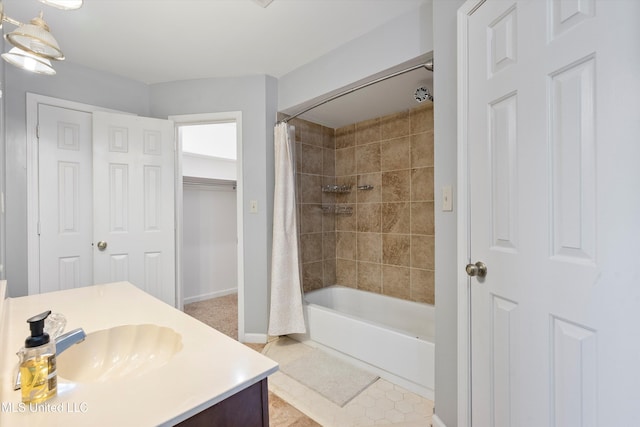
(216, 294)
(437, 422)
(255, 338)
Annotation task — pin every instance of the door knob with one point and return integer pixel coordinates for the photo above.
(102, 245)
(478, 269)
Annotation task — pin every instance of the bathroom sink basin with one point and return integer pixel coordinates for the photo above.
(121, 352)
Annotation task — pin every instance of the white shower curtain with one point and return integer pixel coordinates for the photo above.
(285, 315)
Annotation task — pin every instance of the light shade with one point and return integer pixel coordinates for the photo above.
(63, 4)
(29, 62)
(35, 38)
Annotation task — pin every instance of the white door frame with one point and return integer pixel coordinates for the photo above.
(208, 118)
(33, 193)
(463, 281)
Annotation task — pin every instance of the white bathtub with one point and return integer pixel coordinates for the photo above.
(391, 336)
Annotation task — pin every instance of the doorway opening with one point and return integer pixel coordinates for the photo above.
(209, 209)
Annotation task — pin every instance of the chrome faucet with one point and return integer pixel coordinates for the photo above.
(63, 342)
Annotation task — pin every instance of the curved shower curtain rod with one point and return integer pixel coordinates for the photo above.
(427, 65)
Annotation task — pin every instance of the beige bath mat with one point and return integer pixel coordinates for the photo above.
(335, 379)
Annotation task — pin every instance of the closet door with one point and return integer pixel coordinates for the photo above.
(133, 178)
(65, 203)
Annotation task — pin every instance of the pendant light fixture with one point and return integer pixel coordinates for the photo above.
(36, 38)
(63, 4)
(27, 61)
(35, 46)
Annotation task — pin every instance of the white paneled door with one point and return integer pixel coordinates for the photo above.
(106, 201)
(65, 204)
(551, 145)
(133, 217)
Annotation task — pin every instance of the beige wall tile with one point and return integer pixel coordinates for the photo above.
(422, 118)
(328, 222)
(368, 131)
(369, 247)
(369, 217)
(346, 245)
(396, 186)
(396, 249)
(329, 162)
(345, 222)
(368, 158)
(423, 286)
(422, 149)
(423, 252)
(329, 245)
(298, 152)
(395, 125)
(369, 277)
(329, 272)
(369, 196)
(346, 161)
(396, 217)
(311, 247)
(312, 158)
(310, 218)
(395, 154)
(422, 221)
(386, 245)
(396, 281)
(311, 133)
(310, 188)
(297, 124)
(346, 136)
(328, 138)
(312, 276)
(422, 184)
(346, 272)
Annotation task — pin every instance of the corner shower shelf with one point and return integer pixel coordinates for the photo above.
(336, 188)
(337, 209)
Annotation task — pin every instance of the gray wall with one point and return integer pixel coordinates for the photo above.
(445, 131)
(255, 96)
(72, 82)
(402, 39)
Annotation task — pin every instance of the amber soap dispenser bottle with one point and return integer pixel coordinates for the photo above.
(38, 363)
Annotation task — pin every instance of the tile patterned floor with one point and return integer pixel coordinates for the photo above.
(382, 403)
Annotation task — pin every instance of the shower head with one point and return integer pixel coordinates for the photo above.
(422, 94)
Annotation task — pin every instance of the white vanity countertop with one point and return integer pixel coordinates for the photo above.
(209, 368)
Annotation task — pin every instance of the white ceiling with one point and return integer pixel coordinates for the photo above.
(155, 41)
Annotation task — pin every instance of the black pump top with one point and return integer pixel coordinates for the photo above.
(38, 335)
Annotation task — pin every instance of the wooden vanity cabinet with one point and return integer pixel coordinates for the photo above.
(246, 408)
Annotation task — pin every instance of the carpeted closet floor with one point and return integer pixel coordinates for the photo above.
(222, 314)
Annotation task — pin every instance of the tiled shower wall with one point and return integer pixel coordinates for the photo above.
(315, 166)
(386, 245)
